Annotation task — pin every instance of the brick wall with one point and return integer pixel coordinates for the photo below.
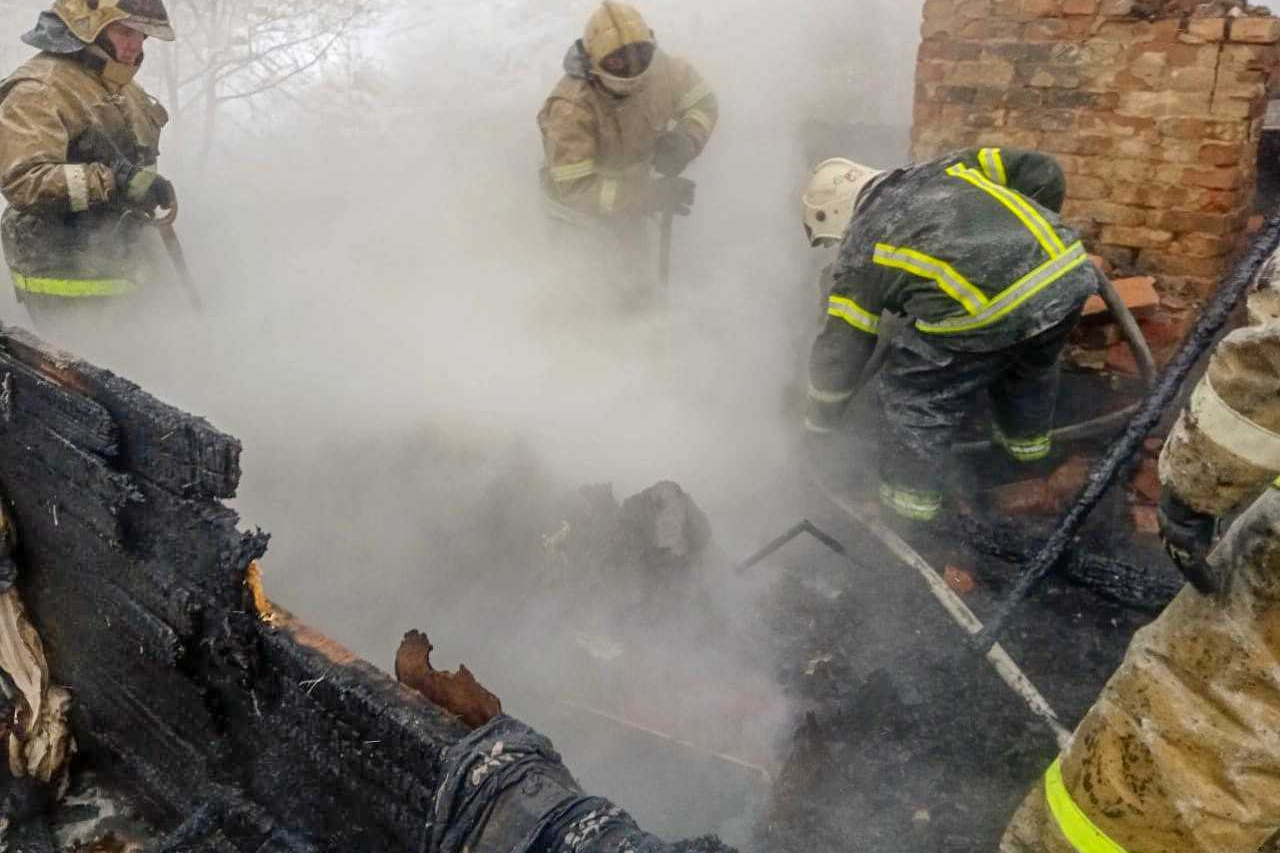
(1154, 110)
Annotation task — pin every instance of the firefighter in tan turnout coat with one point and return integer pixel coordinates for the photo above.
(78, 147)
(619, 129)
(1181, 754)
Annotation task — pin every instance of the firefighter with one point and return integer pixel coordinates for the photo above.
(1180, 753)
(78, 146)
(623, 111)
(969, 249)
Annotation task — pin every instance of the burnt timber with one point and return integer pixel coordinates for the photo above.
(233, 731)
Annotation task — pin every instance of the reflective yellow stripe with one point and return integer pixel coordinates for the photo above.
(1025, 449)
(701, 119)
(72, 287)
(853, 314)
(1044, 233)
(1075, 824)
(829, 397)
(573, 171)
(699, 92)
(917, 263)
(1022, 290)
(908, 503)
(608, 194)
(993, 165)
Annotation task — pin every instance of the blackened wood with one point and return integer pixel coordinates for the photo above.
(180, 452)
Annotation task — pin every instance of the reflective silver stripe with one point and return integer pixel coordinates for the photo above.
(993, 165)
(921, 506)
(829, 397)
(77, 177)
(853, 314)
(1232, 431)
(573, 171)
(917, 263)
(1025, 288)
(691, 98)
(810, 426)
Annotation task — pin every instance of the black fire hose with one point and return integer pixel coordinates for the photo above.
(1212, 320)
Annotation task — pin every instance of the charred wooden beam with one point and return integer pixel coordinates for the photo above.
(236, 733)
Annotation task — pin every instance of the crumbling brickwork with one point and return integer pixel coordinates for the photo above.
(1155, 110)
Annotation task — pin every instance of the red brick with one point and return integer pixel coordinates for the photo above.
(1214, 179)
(1203, 245)
(1255, 223)
(1019, 499)
(1146, 482)
(1139, 294)
(1103, 212)
(1162, 330)
(960, 581)
(1163, 104)
(1065, 483)
(1255, 30)
(1103, 265)
(1221, 154)
(1142, 238)
(1120, 360)
(1145, 520)
(1047, 29)
(1117, 8)
(1080, 7)
(1040, 8)
(1208, 29)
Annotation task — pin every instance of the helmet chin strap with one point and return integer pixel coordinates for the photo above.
(109, 68)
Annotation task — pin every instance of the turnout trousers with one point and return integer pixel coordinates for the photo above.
(928, 392)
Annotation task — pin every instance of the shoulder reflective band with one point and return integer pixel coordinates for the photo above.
(1232, 431)
(1017, 204)
(853, 314)
(77, 178)
(701, 119)
(1022, 290)
(698, 93)
(573, 171)
(1075, 824)
(73, 287)
(993, 165)
(917, 263)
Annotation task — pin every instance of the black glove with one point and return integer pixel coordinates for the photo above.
(1188, 536)
(674, 152)
(142, 188)
(670, 195)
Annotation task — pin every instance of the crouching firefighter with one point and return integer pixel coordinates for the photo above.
(619, 130)
(1181, 752)
(970, 250)
(78, 146)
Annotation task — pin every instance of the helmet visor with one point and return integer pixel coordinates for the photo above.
(629, 61)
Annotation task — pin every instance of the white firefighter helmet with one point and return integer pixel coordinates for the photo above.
(831, 198)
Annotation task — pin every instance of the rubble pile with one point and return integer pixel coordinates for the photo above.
(1154, 109)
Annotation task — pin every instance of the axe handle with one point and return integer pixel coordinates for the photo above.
(173, 246)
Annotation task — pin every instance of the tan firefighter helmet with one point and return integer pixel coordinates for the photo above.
(612, 27)
(830, 201)
(88, 18)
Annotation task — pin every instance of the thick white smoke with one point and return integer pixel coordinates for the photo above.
(389, 330)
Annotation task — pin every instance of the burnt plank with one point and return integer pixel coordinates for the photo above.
(180, 452)
(25, 395)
